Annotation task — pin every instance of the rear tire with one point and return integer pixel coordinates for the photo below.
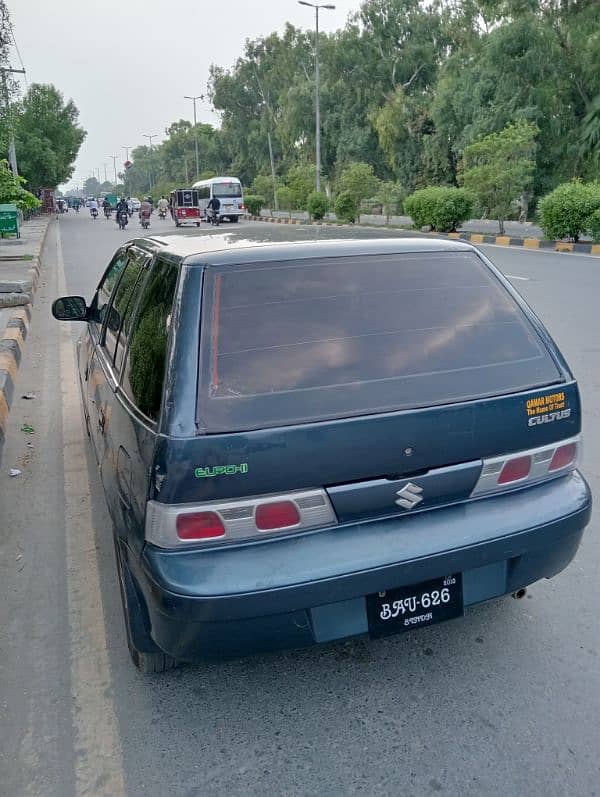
(234, 219)
(145, 654)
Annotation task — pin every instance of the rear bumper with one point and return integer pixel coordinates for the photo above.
(311, 588)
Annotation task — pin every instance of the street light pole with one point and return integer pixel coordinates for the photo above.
(198, 97)
(317, 7)
(114, 160)
(125, 180)
(154, 135)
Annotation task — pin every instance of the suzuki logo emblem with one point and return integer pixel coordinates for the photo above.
(409, 496)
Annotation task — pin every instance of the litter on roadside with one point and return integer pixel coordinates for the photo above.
(15, 472)
(27, 428)
(29, 396)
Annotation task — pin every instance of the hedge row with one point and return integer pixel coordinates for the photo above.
(441, 208)
(572, 210)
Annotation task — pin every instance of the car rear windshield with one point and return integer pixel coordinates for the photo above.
(309, 340)
(225, 190)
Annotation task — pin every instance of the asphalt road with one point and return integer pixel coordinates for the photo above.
(502, 702)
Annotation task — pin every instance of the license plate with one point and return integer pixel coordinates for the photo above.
(405, 608)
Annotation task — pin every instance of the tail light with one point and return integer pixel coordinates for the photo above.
(199, 526)
(242, 207)
(174, 525)
(527, 467)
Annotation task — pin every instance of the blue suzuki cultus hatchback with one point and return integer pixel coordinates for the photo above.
(301, 442)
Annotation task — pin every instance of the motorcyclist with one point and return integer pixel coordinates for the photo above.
(214, 206)
(93, 205)
(122, 207)
(130, 205)
(107, 208)
(145, 209)
(162, 206)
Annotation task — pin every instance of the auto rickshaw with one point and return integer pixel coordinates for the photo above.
(185, 207)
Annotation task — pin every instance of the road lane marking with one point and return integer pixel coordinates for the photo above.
(514, 277)
(98, 755)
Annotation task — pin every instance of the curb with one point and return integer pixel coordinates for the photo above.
(12, 344)
(472, 237)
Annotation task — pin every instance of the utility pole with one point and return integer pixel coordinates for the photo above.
(126, 161)
(154, 135)
(198, 97)
(317, 85)
(114, 160)
(12, 152)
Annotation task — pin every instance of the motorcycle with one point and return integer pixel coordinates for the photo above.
(107, 213)
(145, 220)
(162, 213)
(94, 213)
(215, 217)
(122, 219)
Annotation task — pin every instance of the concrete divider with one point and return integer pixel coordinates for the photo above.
(473, 237)
(14, 334)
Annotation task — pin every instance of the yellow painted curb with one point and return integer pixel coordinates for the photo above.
(595, 249)
(14, 333)
(454, 235)
(563, 246)
(531, 243)
(503, 240)
(3, 411)
(476, 238)
(9, 364)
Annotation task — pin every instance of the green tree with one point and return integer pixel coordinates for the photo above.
(358, 180)
(317, 205)
(499, 168)
(285, 198)
(12, 191)
(48, 137)
(301, 180)
(390, 194)
(263, 186)
(346, 207)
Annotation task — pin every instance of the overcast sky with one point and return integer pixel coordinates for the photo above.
(128, 63)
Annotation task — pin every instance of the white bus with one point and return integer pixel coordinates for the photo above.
(228, 190)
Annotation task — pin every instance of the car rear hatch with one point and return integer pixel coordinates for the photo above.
(382, 382)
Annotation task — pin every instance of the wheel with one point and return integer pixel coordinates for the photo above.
(145, 654)
(177, 224)
(234, 219)
(197, 224)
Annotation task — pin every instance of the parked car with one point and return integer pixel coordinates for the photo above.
(135, 204)
(302, 442)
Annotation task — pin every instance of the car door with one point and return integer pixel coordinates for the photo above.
(115, 298)
(91, 374)
(140, 358)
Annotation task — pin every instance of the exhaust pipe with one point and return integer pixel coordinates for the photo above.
(520, 593)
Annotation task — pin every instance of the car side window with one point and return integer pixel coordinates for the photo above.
(148, 339)
(111, 276)
(122, 305)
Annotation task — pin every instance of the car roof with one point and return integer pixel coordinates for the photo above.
(281, 243)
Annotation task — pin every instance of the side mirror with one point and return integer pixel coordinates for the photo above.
(70, 308)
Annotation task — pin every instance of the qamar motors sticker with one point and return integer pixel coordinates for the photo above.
(547, 409)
